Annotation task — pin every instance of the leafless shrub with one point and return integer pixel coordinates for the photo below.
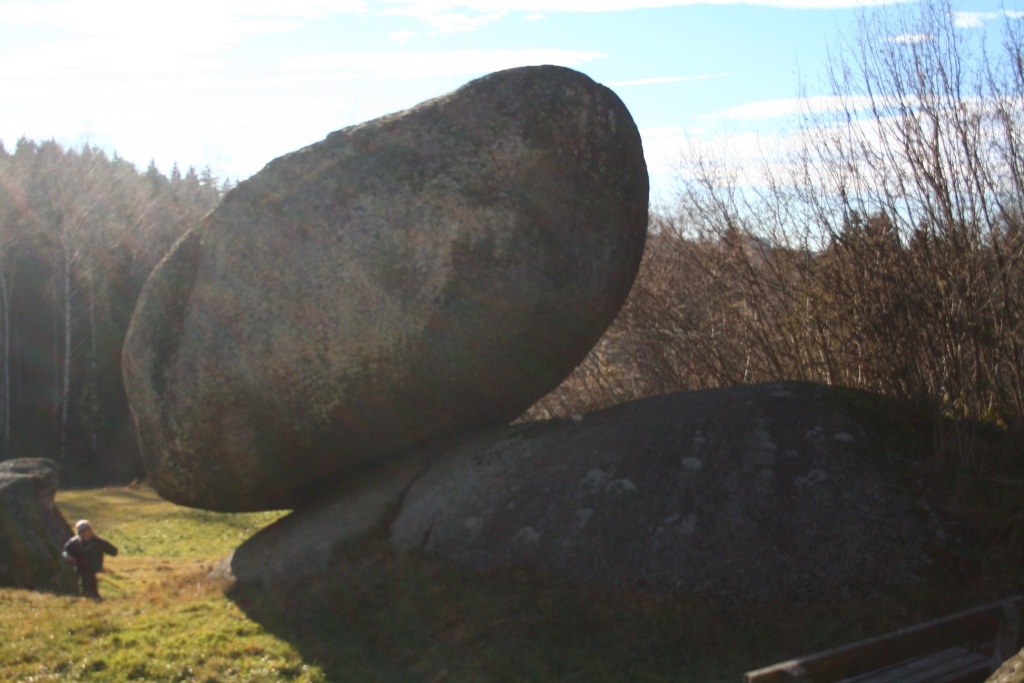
(886, 252)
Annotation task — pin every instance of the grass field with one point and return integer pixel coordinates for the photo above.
(395, 618)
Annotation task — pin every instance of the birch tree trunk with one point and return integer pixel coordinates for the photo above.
(66, 380)
(5, 369)
(93, 369)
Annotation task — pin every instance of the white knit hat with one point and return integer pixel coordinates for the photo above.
(82, 524)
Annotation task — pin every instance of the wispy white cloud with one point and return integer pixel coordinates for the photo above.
(200, 26)
(666, 79)
(752, 157)
(861, 107)
(402, 36)
(774, 109)
(126, 36)
(978, 19)
(457, 22)
(973, 19)
(466, 15)
(110, 18)
(672, 156)
(662, 148)
(103, 56)
(431, 7)
(909, 38)
(232, 138)
(414, 65)
(663, 145)
(29, 92)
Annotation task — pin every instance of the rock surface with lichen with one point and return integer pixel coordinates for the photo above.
(427, 273)
(764, 492)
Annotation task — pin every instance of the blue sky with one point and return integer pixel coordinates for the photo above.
(232, 84)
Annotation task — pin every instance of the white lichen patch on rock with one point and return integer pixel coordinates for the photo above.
(811, 479)
(528, 535)
(689, 525)
(621, 486)
(582, 516)
(763, 450)
(692, 465)
(595, 479)
(514, 447)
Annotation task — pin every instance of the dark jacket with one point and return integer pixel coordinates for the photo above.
(88, 555)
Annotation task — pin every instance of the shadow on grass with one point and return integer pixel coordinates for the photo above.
(383, 617)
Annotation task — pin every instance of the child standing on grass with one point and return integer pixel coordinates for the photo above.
(85, 550)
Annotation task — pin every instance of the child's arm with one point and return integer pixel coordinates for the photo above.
(71, 551)
(108, 547)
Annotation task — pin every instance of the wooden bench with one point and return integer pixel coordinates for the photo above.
(961, 648)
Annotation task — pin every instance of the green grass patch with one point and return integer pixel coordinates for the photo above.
(161, 620)
(140, 523)
(158, 623)
(392, 618)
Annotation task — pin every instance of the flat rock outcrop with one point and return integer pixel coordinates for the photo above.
(423, 274)
(766, 492)
(32, 529)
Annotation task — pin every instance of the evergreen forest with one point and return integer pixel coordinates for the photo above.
(80, 232)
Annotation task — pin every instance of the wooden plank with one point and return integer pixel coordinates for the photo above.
(953, 664)
(970, 629)
(892, 674)
(977, 674)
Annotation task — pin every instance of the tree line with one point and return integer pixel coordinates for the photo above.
(80, 232)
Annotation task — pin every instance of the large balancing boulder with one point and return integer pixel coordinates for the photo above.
(433, 271)
(32, 529)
